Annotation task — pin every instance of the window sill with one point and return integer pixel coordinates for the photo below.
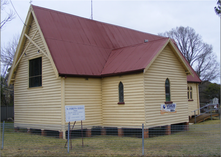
(190, 100)
(35, 87)
(121, 103)
(168, 102)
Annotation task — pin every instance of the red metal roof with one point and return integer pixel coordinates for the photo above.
(85, 47)
(190, 78)
(132, 58)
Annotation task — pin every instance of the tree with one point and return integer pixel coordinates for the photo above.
(10, 15)
(7, 56)
(218, 8)
(7, 93)
(212, 91)
(209, 91)
(199, 54)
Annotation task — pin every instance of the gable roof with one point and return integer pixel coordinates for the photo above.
(133, 58)
(84, 47)
(81, 46)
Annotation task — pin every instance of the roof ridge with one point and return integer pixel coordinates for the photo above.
(79, 43)
(141, 43)
(99, 21)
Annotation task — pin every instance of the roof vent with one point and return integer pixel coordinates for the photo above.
(145, 40)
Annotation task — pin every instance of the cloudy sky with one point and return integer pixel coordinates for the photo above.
(151, 16)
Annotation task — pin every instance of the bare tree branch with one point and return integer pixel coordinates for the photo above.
(7, 54)
(218, 8)
(199, 54)
(10, 16)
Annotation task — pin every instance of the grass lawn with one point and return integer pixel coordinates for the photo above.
(201, 140)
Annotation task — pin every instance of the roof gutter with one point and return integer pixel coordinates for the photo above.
(102, 75)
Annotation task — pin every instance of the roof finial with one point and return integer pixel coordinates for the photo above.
(30, 1)
(91, 10)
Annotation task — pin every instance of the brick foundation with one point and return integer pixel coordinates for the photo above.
(120, 132)
(146, 133)
(28, 131)
(16, 129)
(60, 134)
(103, 131)
(88, 133)
(43, 133)
(186, 127)
(168, 130)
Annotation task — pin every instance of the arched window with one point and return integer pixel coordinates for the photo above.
(167, 89)
(121, 92)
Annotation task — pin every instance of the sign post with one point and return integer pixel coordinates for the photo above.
(68, 135)
(74, 113)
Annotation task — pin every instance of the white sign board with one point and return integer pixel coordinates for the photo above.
(168, 108)
(74, 113)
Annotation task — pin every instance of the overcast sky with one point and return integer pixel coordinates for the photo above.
(147, 16)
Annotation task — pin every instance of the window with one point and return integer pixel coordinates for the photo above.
(121, 93)
(35, 72)
(189, 93)
(188, 96)
(167, 90)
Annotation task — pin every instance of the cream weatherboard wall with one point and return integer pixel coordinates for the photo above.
(87, 92)
(37, 107)
(132, 112)
(194, 103)
(165, 66)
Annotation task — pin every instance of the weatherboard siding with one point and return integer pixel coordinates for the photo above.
(165, 66)
(132, 112)
(37, 107)
(87, 92)
(194, 104)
